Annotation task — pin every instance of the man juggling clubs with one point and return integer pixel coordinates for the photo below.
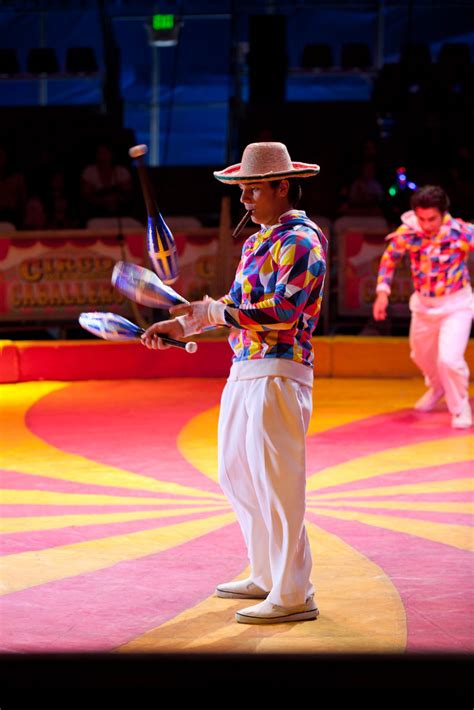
(272, 309)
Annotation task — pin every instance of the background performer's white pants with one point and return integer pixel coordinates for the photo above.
(262, 429)
(439, 333)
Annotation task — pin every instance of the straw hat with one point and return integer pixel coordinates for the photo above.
(265, 161)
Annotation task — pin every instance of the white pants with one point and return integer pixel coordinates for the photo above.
(262, 428)
(439, 333)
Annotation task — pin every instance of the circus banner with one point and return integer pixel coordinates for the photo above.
(51, 279)
(358, 263)
(359, 257)
(48, 278)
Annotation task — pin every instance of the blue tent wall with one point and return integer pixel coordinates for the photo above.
(195, 84)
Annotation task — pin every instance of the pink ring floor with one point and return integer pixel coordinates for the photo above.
(115, 532)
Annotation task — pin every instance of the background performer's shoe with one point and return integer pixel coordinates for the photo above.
(463, 420)
(429, 400)
(268, 613)
(243, 589)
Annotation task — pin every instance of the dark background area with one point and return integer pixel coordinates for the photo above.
(361, 88)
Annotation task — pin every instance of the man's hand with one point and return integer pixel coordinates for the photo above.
(199, 315)
(151, 337)
(379, 309)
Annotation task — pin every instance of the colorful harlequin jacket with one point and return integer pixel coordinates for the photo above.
(274, 303)
(438, 264)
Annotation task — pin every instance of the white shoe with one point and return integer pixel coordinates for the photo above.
(243, 589)
(463, 420)
(429, 400)
(268, 613)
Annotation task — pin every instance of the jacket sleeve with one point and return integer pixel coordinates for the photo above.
(234, 296)
(390, 258)
(467, 233)
(300, 270)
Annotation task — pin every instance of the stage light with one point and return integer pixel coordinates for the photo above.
(402, 183)
(402, 180)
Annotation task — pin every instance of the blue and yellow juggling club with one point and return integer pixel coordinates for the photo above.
(111, 326)
(160, 241)
(143, 286)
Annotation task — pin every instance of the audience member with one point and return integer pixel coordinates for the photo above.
(105, 186)
(35, 214)
(365, 195)
(12, 191)
(60, 202)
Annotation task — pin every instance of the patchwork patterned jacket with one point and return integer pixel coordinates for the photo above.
(274, 303)
(438, 264)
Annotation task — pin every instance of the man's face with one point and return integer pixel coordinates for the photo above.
(264, 202)
(430, 220)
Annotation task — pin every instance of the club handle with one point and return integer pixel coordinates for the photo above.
(147, 191)
(190, 346)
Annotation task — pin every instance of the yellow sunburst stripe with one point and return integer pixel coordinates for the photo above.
(24, 452)
(459, 536)
(421, 455)
(197, 442)
(34, 497)
(454, 485)
(30, 569)
(55, 522)
(333, 407)
(361, 612)
(357, 399)
(402, 505)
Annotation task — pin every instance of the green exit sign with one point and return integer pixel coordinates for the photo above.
(163, 22)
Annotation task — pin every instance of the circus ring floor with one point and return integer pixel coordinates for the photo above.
(115, 532)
